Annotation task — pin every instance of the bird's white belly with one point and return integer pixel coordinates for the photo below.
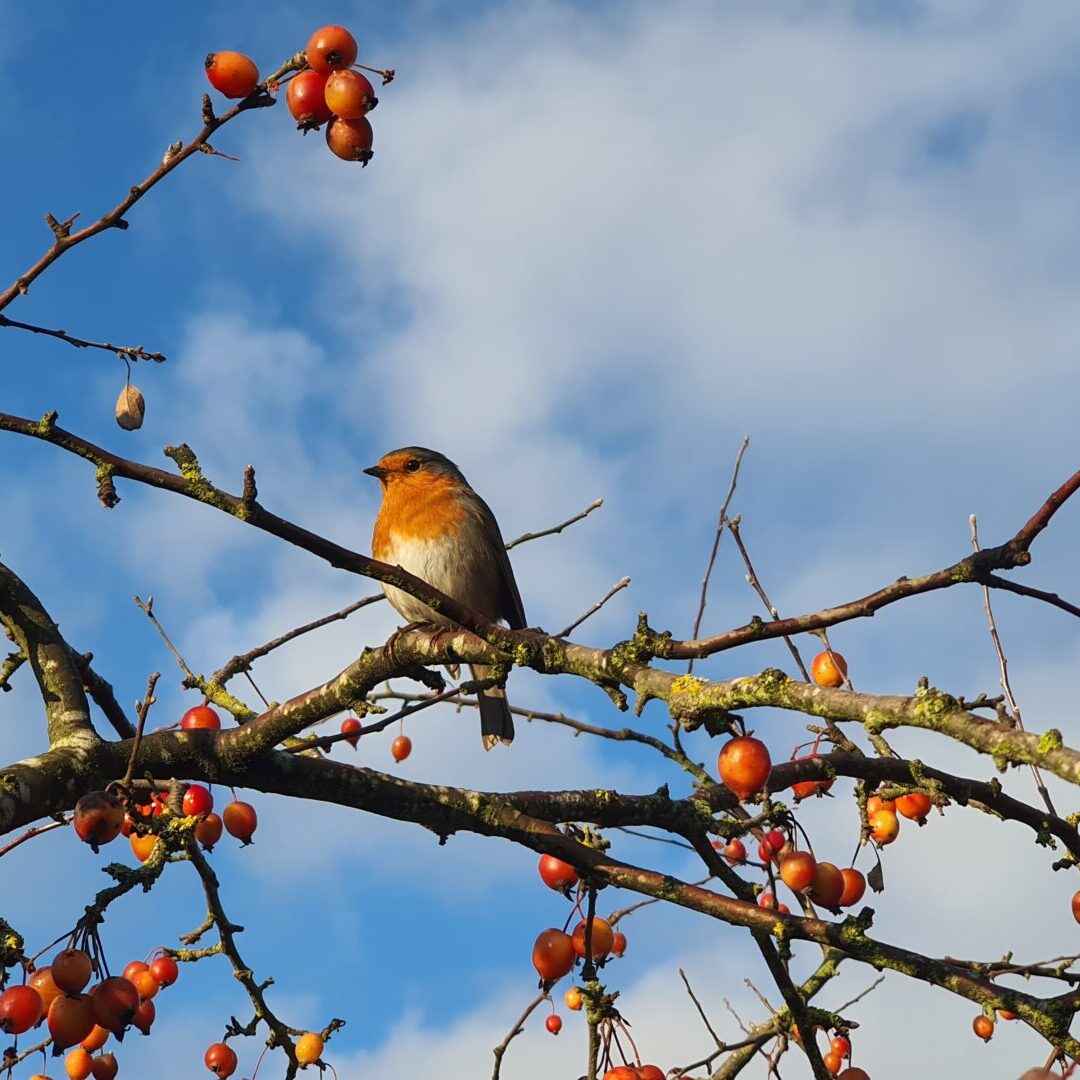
(441, 566)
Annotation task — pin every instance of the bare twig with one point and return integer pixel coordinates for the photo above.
(148, 609)
(1053, 599)
(755, 583)
(568, 630)
(324, 741)
(245, 660)
(517, 1029)
(594, 505)
(1003, 666)
(701, 1012)
(64, 239)
(30, 833)
(124, 352)
(716, 545)
(141, 709)
(858, 997)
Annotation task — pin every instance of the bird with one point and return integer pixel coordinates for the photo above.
(432, 524)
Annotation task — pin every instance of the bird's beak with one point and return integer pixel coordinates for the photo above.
(377, 471)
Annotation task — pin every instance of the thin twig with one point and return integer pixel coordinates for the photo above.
(323, 741)
(124, 352)
(64, 239)
(755, 583)
(141, 709)
(1003, 665)
(148, 609)
(568, 630)
(594, 505)
(716, 545)
(30, 833)
(996, 582)
(244, 661)
(517, 1029)
(701, 1012)
(858, 997)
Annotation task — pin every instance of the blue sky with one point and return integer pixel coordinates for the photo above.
(598, 245)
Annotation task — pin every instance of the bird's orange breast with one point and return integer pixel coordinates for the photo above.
(416, 508)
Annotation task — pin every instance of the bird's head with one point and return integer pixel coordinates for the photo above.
(414, 465)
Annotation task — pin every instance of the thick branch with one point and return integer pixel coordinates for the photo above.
(50, 657)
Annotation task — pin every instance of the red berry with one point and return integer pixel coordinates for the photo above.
(116, 1001)
(20, 1009)
(201, 716)
(351, 725)
(71, 970)
(841, 1045)
(70, 1019)
(220, 1059)
(208, 831)
(828, 886)
(331, 48)
(350, 140)
(401, 748)
(553, 954)
(231, 73)
(557, 874)
(98, 818)
(306, 99)
(144, 1016)
(198, 800)
(554, 1023)
(983, 1026)
(104, 1067)
(735, 852)
(618, 943)
(165, 970)
(240, 820)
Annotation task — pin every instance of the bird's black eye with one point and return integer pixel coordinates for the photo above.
(412, 465)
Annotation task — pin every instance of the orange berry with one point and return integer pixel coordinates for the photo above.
(884, 827)
(744, 766)
(828, 886)
(309, 1048)
(983, 1026)
(601, 942)
(349, 95)
(331, 48)
(915, 805)
(828, 669)
(797, 869)
(854, 887)
(232, 73)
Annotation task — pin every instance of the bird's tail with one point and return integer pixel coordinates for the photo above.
(496, 721)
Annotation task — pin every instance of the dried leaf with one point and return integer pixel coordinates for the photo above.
(876, 879)
(130, 408)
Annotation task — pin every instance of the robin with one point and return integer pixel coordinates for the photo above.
(432, 524)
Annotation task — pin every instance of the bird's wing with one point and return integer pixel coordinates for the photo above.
(510, 604)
